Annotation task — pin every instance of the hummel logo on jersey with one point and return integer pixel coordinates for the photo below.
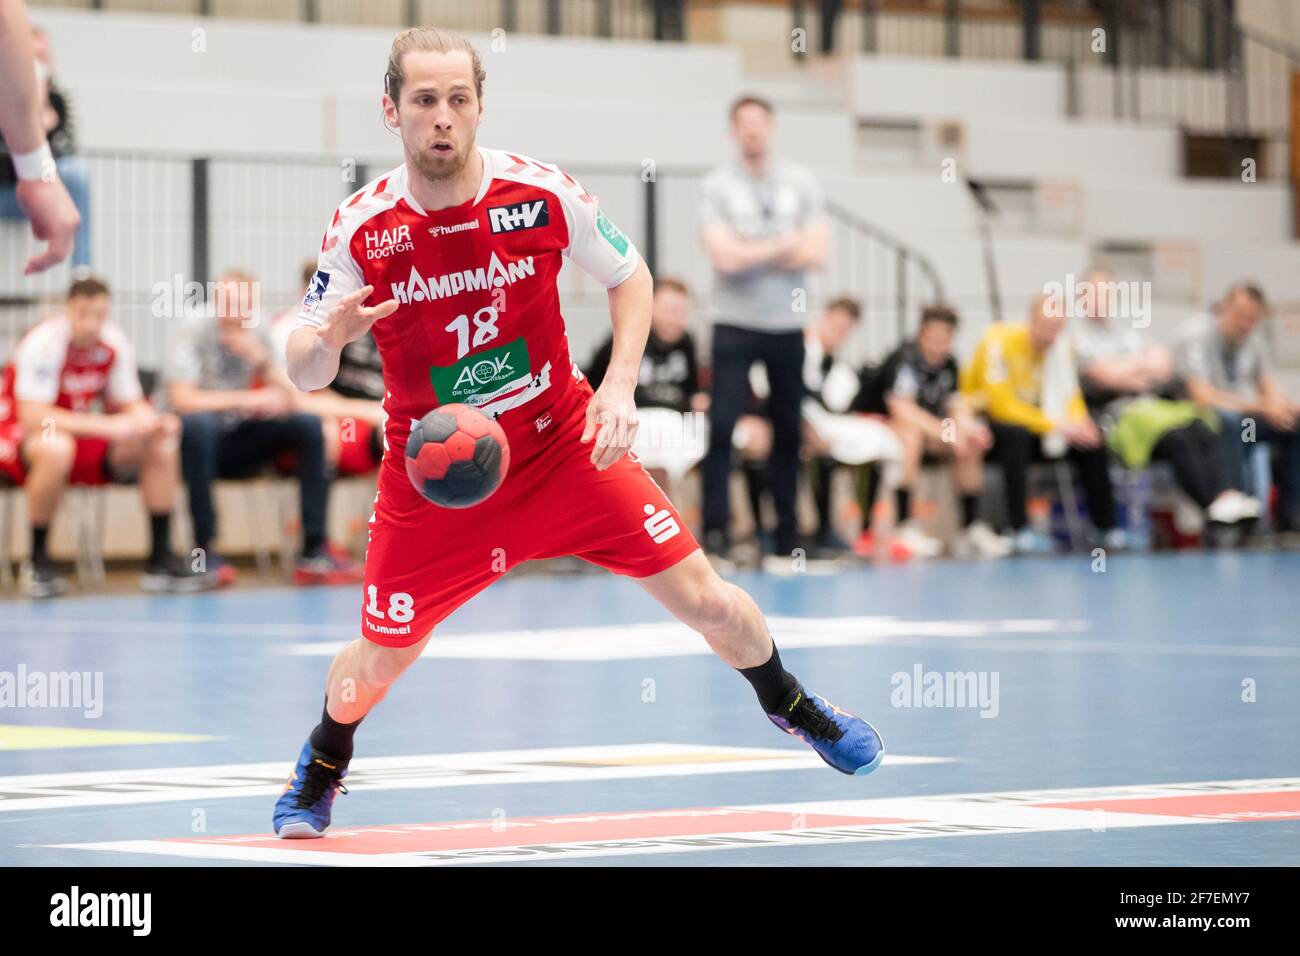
(449, 230)
(388, 242)
(661, 525)
(522, 215)
(417, 288)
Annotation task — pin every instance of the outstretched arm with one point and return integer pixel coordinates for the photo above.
(312, 354)
(41, 196)
(611, 413)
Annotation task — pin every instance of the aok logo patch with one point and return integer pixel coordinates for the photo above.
(521, 215)
(477, 377)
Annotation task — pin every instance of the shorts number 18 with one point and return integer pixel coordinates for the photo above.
(401, 606)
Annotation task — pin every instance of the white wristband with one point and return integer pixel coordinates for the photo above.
(38, 164)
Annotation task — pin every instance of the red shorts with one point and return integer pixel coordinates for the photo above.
(89, 464)
(357, 447)
(357, 450)
(423, 562)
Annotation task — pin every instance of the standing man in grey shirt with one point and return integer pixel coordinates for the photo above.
(1224, 360)
(763, 225)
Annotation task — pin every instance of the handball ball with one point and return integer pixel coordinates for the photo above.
(456, 456)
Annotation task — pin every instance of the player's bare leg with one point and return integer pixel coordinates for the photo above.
(359, 678)
(724, 614)
(49, 458)
(153, 457)
(736, 630)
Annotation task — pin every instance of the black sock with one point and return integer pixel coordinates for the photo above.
(39, 534)
(771, 681)
(332, 738)
(160, 535)
(870, 491)
(970, 506)
(903, 503)
(313, 545)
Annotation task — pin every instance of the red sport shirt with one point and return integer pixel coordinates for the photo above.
(49, 369)
(479, 322)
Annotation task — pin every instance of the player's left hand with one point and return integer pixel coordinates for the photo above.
(612, 422)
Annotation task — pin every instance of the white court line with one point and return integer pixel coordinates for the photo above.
(671, 639)
(904, 818)
(427, 771)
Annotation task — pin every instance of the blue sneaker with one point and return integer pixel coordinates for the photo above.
(846, 742)
(303, 810)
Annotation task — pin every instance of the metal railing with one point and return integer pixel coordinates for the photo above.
(616, 19)
(1184, 62)
(1218, 76)
(164, 224)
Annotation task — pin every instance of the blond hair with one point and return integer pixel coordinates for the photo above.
(431, 39)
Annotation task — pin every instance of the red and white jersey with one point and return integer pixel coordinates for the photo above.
(478, 318)
(47, 368)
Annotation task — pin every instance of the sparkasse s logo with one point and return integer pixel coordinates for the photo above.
(521, 215)
(661, 525)
(494, 275)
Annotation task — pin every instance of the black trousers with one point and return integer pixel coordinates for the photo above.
(823, 471)
(1197, 460)
(212, 449)
(734, 351)
(1016, 447)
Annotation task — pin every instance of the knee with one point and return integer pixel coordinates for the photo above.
(909, 436)
(715, 607)
(1014, 440)
(161, 448)
(55, 451)
(967, 453)
(308, 430)
(199, 430)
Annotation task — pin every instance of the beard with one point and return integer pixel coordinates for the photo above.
(439, 169)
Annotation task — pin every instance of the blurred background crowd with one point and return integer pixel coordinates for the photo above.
(891, 321)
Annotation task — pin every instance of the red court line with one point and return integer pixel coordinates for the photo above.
(1273, 805)
(486, 834)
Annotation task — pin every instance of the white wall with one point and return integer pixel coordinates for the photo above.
(313, 92)
(885, 86)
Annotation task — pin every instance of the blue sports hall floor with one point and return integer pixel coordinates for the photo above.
(1036, 711)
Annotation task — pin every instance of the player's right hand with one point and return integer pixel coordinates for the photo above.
(54, 218)
(349, 320)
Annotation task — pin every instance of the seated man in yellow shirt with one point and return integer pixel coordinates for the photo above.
(1007, 382)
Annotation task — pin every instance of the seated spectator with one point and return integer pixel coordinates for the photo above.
(1224, 361)
(351, 409)
(237, 414)
(833, 435)
(916, 386)
(60, 133)
(1130, 387)
(1029, 393)
(73, 412)
(670, 440)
